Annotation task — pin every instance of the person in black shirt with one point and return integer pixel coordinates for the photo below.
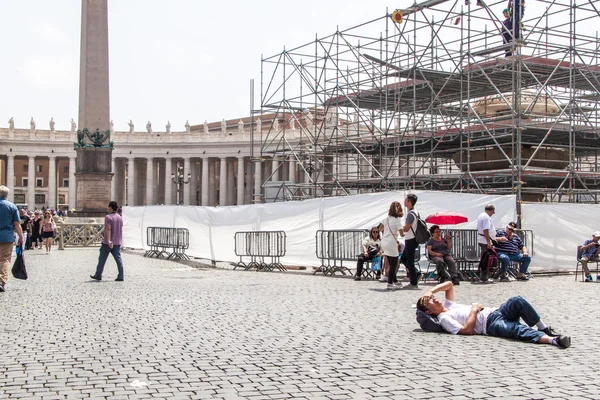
(506, 31)
(26, 226)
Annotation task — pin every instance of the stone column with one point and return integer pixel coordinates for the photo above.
(276, 169)
(168, 181)
(31, 183)
(131, 181)
(230, 183)
(248, 182)
(52, 182)
(292, 171)
(240, 181)
(204, 181)
(186, 186)
(113, 187)
(257, 181)
(73, 184)
(212, 183)
(10, 177)
(223, 182)
(149, 181)
(194, 183)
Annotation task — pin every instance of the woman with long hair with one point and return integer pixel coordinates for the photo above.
(47, 229)
(371, 247)
(392, 226)
(35, 230)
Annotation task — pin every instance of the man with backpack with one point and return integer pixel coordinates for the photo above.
(503, 321)
(413, 235)
(486, 236)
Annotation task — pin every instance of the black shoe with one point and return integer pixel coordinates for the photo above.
(96, 278)
(483, 276)
(455, 281)
(563, 341)
(2, 287)
(356, 278)
(549, 331)
(121, 279)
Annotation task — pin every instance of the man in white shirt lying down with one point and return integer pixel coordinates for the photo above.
(502, 321)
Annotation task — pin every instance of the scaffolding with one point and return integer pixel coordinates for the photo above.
(441, 101)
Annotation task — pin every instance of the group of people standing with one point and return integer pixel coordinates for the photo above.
(15, 225)
(394, 240)
(385, 240)
(39, 227)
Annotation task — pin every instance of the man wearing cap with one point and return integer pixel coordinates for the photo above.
(510, 247)
(590, 253)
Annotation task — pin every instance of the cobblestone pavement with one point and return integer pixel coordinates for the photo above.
(172, 331)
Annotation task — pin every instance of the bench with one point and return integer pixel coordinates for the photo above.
(161, 240)
(258, 246)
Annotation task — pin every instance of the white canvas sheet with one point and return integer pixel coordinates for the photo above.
(212, 229)
(558, 230)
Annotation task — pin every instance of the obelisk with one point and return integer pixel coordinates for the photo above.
(94, 145)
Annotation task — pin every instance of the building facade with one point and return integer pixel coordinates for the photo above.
(209, 165)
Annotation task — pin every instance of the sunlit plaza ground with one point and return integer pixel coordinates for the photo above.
(175, 331)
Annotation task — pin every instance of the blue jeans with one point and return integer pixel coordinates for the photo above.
(504, 322)
(408, 259)
(506, 258)
(105, 250)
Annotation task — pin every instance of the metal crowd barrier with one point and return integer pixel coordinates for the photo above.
(338, 246)
(467, 254)
(160, 240)
(259, 246)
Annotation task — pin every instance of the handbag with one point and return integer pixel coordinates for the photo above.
(372, 250)
(19, 270)
(376, 264)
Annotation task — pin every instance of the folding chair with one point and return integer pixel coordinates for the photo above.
(433, 274)
(592, 261)
(469, 259)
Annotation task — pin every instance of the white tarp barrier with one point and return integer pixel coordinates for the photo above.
(558, 230)
(212, 229)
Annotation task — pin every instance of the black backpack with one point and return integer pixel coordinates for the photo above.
(422, 234)
(428, 322)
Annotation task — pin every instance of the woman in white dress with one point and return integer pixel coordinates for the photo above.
(392, 227)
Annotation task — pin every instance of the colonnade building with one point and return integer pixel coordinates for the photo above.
(208, 165)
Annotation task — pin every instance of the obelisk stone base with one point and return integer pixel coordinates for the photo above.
(94, 178)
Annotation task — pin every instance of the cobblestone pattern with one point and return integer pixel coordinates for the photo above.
(222, 334)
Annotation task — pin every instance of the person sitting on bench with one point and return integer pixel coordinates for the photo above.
(501, 322)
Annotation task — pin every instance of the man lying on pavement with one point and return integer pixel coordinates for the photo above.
(502, 321)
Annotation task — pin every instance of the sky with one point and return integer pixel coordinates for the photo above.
(172, 60)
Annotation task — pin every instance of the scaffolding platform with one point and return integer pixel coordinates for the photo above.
(441, 102)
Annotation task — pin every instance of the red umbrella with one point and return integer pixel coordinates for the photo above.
(446, 218)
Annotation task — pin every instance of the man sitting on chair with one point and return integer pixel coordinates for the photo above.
(501, 322)
(590, 253)
(510, 247)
